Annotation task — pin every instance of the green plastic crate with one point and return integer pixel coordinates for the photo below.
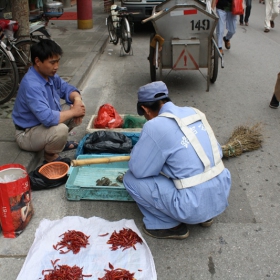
(81, 183)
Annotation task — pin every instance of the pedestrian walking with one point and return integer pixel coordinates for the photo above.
(176, 174)
(40, 4)
(247, 11)
(226, 21)
(271, 12)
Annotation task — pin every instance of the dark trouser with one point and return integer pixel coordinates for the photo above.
(277, 87)
(247, 11)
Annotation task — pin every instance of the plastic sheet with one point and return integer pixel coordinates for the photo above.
(95, 257)
(107, 142)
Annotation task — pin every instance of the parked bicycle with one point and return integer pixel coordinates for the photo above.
(15, 58)
(120, 24)
(8, 73)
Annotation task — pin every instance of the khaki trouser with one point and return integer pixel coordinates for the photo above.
(277, 88)
(271, 12)
(51, 140)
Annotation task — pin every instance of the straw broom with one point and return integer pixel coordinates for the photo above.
(243, 139)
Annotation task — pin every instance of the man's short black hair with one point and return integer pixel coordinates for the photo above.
(45, 49)
(152, 105)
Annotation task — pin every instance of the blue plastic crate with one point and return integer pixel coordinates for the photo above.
(81, 183)
(134, 136)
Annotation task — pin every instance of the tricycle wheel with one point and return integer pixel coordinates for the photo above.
(214, 63)
(153, 73)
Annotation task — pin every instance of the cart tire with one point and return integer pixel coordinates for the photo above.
(214, 64)
(153, 71)
(112, 31)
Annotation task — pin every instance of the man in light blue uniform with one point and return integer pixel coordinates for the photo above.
(176, 175)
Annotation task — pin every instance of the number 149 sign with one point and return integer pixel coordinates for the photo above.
(198, 25)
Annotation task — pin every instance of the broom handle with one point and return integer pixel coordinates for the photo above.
(80, 162)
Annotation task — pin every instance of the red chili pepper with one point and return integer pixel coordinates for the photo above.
(125, 238)
(64, 272)
(72, 240)
(103, 234)
(116, 274)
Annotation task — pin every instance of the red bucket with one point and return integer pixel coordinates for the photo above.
(15, 199)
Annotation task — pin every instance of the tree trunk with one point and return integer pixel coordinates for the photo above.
(20, 11)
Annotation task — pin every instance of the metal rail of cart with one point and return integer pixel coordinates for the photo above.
(187, 29)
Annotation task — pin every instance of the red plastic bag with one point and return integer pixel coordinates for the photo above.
(237, 7)
(107, 117)
(15, 199)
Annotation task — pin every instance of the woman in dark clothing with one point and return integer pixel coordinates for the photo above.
(247, 13)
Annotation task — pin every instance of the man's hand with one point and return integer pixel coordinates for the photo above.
(78, 108)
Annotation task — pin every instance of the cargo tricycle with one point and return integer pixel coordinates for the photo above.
(184, 38)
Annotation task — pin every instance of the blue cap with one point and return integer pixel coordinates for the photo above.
(147, 92)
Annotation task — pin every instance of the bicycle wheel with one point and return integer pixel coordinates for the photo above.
(22, 55)
(8, 77)
(126, 35)
(112, 31)
(153, 72)
(214, 63)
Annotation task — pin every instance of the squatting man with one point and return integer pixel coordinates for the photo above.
(176, 174)
(41, 122)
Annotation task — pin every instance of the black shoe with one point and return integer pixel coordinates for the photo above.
(208, 223)
(274, 103)
(179, 232)
(227, 43)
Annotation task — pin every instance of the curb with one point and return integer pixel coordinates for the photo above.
(78, 79)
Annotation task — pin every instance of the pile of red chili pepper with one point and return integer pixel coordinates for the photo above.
(117, 274)
(73, 240)
(64, 272)
(125, 238)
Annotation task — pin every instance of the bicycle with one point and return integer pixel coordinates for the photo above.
(8, 73)
(15, 58)
(119, 26)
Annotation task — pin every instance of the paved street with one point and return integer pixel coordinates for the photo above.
(243, 243)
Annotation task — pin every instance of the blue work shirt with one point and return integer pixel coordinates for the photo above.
(163, 147)
(38, 100)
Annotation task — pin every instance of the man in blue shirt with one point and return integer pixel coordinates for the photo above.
(42, 123)
(176, 174)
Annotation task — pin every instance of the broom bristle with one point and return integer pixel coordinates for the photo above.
(243, 139)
